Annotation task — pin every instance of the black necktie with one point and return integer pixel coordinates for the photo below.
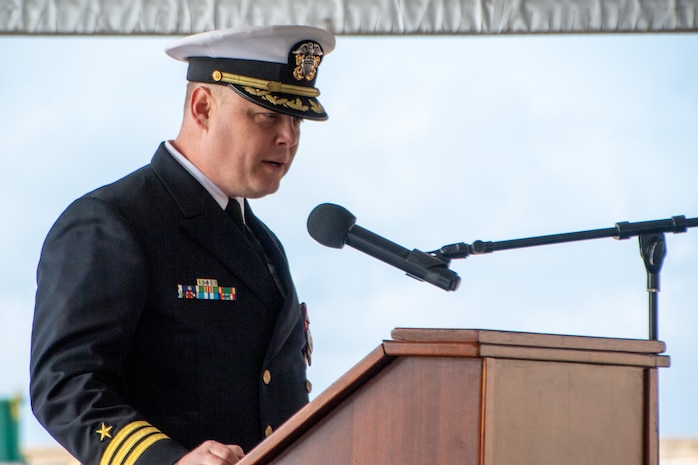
(235, 212)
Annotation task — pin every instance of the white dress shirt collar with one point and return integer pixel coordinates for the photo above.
(217, 194)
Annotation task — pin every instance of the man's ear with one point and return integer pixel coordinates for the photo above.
(200, 106)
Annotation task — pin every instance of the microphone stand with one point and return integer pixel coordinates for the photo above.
(652, 249)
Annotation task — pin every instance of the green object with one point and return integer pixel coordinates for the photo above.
(9, 430)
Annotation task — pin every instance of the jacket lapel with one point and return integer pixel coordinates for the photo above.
(290, 310)
(209, 226)
(271, 246)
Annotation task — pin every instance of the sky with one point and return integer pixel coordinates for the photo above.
(430, 141)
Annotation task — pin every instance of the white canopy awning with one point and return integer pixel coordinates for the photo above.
(348, 17)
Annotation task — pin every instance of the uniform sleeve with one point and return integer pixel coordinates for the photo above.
(91, 290)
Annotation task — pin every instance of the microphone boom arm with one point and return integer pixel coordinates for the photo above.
(652, 249)
(622, 230)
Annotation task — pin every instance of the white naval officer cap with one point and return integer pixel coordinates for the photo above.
(273, 66)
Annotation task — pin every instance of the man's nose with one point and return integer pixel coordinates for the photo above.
(289, 131)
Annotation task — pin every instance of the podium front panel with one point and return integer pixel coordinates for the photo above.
(416, 411)
(552, 413)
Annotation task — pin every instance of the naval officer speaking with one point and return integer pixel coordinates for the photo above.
(167, 328)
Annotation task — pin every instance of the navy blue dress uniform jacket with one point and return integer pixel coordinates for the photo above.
(127, 369)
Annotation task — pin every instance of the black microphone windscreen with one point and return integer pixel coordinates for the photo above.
(329, 224)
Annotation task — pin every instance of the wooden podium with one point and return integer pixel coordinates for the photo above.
(447, 397)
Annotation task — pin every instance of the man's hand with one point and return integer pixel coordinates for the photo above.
(213, 453)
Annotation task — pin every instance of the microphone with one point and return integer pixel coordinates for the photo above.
(333, 226)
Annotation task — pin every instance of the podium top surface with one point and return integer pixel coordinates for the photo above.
(508, 338)
(525, 346)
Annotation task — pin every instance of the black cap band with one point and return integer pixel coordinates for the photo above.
(284, 87)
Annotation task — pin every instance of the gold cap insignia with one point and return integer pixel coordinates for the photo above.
(308, 56)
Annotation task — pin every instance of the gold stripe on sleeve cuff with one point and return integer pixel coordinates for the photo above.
(142, 447)
(130, 443)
